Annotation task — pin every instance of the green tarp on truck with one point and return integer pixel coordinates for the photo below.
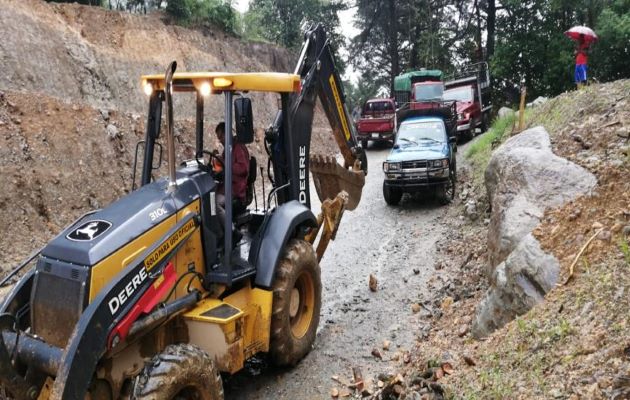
(402, 83)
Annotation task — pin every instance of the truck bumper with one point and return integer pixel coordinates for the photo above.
(417, 182)
(377, 136)
(463, 127)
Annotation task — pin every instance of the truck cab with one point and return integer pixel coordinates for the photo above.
(377, 122)
(421, 160)
(469, 88)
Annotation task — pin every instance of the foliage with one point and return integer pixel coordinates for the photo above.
(611, 53)
(479, 152)
(531, 44)
(85, 2)
(218, 13)
(280, 21)
(357, 95)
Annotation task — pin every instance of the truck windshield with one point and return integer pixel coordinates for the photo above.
(459, 94)
(415, 132)
(428, 91)
(378, 107)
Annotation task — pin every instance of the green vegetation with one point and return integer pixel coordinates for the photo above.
(479, 152)
(625, 249)
(218, 13)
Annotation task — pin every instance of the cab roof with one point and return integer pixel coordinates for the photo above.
(222, 81)
(425, 119)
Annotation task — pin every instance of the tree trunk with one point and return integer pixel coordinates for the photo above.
(478, 33)
(393, 43)
(490, 26)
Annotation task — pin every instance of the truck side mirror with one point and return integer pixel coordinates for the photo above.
(244, 120)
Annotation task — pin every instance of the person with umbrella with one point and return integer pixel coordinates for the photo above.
(583, 37)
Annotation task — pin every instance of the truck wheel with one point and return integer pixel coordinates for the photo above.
(297, 291)
(181, 371)
(484, 123)
(364, 143)
(392, 195)
(446, 192)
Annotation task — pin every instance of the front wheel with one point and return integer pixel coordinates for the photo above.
(364, 143)
(392, 195)
(181, 371)
(297, 292)
(446, 192)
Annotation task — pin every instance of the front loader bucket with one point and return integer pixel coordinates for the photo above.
(330, 179)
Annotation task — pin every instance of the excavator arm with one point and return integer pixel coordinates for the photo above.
(289, 138)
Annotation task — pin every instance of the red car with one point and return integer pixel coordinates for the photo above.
(377, 122)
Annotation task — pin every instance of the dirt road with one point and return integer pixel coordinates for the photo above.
(397, 245)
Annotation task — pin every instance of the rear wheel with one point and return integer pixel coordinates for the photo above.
(364, 143)
(181, 371)
(297, 291)
(392, 195)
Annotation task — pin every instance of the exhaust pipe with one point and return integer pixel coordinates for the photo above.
(170, 137)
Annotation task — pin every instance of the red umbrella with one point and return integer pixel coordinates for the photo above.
(575, 32)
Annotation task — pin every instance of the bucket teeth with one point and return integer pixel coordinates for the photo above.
(330, 179)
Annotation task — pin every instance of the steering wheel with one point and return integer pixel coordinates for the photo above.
(215, 163)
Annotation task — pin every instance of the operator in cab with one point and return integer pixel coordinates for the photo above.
(240, 172)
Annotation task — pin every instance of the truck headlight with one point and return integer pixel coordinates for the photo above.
(387, 166)
(443, 163)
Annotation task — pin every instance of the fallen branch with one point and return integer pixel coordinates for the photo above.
(582, 250)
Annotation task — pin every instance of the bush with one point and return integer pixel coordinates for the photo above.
(218, 13)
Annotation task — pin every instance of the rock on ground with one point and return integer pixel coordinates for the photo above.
(505, 112)
(523, 178)
(521, 281)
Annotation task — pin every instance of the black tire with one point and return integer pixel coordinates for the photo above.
(297, 300)
(484, 122)
(446, 192)
(364, 144)
(181, 371)
(392, 195)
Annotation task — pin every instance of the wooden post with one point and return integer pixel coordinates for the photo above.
(521, 109)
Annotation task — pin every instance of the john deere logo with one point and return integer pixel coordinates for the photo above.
(89, 231)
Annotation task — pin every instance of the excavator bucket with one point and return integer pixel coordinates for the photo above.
(330, 179)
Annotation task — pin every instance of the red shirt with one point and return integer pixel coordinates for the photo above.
(240, 170)
(581, 58)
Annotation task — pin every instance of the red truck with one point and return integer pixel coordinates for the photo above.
(377, 122)
(470, 89)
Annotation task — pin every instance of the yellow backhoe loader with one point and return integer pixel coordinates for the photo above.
(153, 297)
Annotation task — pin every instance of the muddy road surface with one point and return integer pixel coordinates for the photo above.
(397, 245)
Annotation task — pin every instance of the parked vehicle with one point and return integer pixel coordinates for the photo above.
(422, 158)
(470, 89)
(418, 87)
(377, 122)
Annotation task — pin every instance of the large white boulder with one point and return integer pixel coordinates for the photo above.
(523, 178)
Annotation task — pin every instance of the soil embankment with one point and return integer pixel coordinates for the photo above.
(72, 109)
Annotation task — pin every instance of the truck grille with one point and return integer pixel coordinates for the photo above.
(414, 164)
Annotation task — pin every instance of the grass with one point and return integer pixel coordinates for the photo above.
(479, 152)
(625, 249)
